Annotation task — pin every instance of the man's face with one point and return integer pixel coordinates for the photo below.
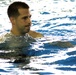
(23, 22)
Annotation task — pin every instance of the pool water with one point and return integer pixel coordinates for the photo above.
(56, 20)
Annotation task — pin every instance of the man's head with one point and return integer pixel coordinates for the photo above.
(19, 15)
(13, 8)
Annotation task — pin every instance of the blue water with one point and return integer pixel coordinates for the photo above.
(56, 20)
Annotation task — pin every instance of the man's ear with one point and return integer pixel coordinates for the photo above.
(12, 19)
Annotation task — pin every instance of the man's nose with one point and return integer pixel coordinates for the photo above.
(29, 20)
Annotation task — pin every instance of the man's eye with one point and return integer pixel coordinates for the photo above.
(25, 17)
(30, 16)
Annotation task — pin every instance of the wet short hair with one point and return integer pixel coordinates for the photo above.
(12, 10)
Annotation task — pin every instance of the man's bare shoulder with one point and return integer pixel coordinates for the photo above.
(35, 34)
(4, 35)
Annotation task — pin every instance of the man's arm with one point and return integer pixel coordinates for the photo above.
(63, 44)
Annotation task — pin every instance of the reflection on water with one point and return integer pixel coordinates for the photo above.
(4, 2)
(57, 22)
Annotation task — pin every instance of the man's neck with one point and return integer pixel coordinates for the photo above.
(17, 33)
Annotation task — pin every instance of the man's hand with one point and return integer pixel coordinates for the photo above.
(62, 44)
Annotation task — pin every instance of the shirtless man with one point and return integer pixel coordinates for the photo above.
(19, 15)
(20, 34)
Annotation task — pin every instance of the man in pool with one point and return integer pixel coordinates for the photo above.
(15, 44)
(20, 34)
(19, 15)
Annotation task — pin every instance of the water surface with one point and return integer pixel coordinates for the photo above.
(56, 20)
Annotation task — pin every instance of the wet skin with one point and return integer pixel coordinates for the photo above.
(22, 23)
